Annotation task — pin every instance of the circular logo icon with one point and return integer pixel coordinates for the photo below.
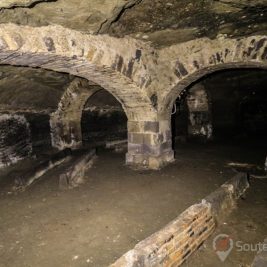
(223, 245)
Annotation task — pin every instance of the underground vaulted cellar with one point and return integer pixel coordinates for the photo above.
(133, 133)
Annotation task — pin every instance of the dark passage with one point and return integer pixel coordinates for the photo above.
(103, 120)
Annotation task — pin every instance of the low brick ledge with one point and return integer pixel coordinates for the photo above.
(29, 177)
(175, 242)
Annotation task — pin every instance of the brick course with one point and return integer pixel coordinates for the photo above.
(173, 244)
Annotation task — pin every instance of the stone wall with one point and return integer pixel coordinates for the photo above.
(40, 131)
(149, 144)
(15, 139)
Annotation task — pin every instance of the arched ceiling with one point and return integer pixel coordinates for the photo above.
(165, 24)
(25, 89)
(28, 89)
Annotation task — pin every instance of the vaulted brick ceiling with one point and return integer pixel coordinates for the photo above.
(162, 24)
(36, 90)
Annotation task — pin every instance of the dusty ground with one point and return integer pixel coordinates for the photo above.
(116, 207)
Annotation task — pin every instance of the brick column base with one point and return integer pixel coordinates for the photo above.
(149, 144)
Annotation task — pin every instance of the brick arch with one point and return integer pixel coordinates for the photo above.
(201, 57)
(65, 122)
(117, 65)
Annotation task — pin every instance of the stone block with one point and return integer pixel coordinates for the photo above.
(136, 138)
(135, 126)
(135, 148)
(148, 160)
(150, 139)
(164, 126)
(153, 139)
(152, 150)
(157, 150)
(151, 126)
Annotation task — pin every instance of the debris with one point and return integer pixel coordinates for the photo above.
(118, 145)
(244, 167)
(74, 174)
(26, 179)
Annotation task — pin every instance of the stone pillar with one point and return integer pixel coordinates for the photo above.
(66, 132)
(149, 144)
(65, 122)
(199, 109)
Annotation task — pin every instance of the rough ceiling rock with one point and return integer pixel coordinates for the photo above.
(167, 22)
(162, 23)
(27, 89)
(18, 3)
(89, 16)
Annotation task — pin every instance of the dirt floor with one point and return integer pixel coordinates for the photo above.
(96, 223)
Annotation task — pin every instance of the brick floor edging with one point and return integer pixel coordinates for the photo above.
(174, 243)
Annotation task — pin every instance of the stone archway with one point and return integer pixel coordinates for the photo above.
(65, 122)
(190, 61)
(119, 66)
(183, 64)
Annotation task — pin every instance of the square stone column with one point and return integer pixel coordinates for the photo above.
(65, 132)
(199, 108)
(149, 144)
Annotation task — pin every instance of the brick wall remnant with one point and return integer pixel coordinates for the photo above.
(174, 243)
(15, 139)
(65, 122)
(24, 180)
